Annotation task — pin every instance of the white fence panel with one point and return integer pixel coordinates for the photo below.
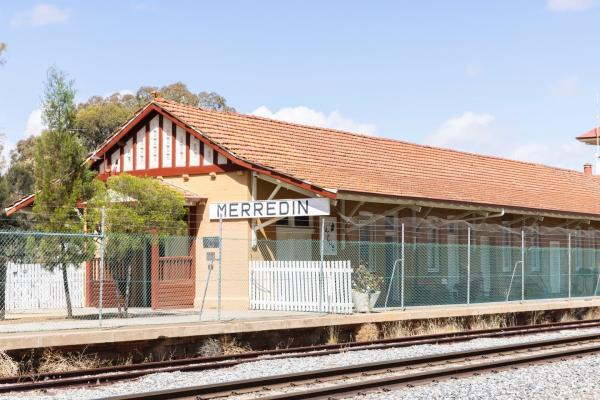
(322, 286)
(33, 287)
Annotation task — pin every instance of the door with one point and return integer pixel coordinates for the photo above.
(554, 267)
(294, 244)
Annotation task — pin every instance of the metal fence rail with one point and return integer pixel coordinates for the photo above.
(400, 263)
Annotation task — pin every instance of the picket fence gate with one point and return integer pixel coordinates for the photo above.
(296, 286)
(33, 287)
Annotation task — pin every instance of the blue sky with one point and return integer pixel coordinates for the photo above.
(510, 78)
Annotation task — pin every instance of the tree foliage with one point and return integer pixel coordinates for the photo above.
(138, 211)
(61, 180)
(19, 176)
(2, 50)
(213, 101)
(59, 101)
(138, 205)
(99, 117)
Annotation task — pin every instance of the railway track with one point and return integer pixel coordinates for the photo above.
(125, 372)
(358, 378)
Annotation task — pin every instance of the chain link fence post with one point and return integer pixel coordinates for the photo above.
(220, 272)
(569, 263)
(402, 264)
(102, 249)
(469, 265)
(522, 265)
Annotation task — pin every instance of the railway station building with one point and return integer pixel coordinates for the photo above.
(465, 227)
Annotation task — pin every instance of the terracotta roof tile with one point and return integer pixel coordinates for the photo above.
(359, 163)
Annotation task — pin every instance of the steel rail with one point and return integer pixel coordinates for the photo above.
(257, 384)
(422, 377)
(124, 372)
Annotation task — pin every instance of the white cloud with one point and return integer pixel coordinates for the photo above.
(570, 154)
(467, 132)
(122, 92)
(566, 87)
(308, 116)
(473, 70)
(480, 134)
(40, 15)
(35, 125)
(570, 5)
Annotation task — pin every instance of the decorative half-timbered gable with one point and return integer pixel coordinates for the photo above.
(156, 144)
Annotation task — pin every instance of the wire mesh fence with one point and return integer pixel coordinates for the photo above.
(399, 263)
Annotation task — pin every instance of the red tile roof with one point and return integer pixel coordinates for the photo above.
(351, 162)
(589, 136)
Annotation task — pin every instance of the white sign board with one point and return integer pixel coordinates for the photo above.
(270, 208)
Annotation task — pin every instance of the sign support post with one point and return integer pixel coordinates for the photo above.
(220, 268)
(321, 273)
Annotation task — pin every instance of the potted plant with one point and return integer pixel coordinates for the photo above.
(366, 287)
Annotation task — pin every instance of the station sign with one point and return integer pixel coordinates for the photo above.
(270, 208)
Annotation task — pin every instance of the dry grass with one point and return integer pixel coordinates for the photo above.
(569, 316)
(333, 335)
(8, 366)
(56, 361)
(537, 317)
(481, 322)
(395, 330)
(592, 313)
(367, 332)
(223, 346)
(232, 346)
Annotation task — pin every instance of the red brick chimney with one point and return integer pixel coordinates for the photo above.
(587, 169)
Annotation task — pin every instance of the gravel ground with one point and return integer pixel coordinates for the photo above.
(574, 379)
(263, 368)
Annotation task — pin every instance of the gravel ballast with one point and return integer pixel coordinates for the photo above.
(561, 380)
(261, 368)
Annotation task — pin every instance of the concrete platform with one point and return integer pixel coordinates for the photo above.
(72, 332)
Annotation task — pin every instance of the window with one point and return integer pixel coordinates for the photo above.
(300, 222)
(433, 253)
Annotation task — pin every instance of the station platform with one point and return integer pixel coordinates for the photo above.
(59, 333)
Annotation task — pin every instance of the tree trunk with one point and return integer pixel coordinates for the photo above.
(63, 267)
(2, 288)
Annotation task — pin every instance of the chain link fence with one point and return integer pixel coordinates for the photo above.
(396, 263)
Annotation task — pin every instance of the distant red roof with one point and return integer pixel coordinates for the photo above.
(590, 136)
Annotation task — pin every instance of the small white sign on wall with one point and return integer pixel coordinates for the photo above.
(329, 236)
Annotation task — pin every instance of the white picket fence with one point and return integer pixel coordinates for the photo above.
(33, 287)
(295, 286)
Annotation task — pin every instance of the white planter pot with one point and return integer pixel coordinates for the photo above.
(364, 302)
